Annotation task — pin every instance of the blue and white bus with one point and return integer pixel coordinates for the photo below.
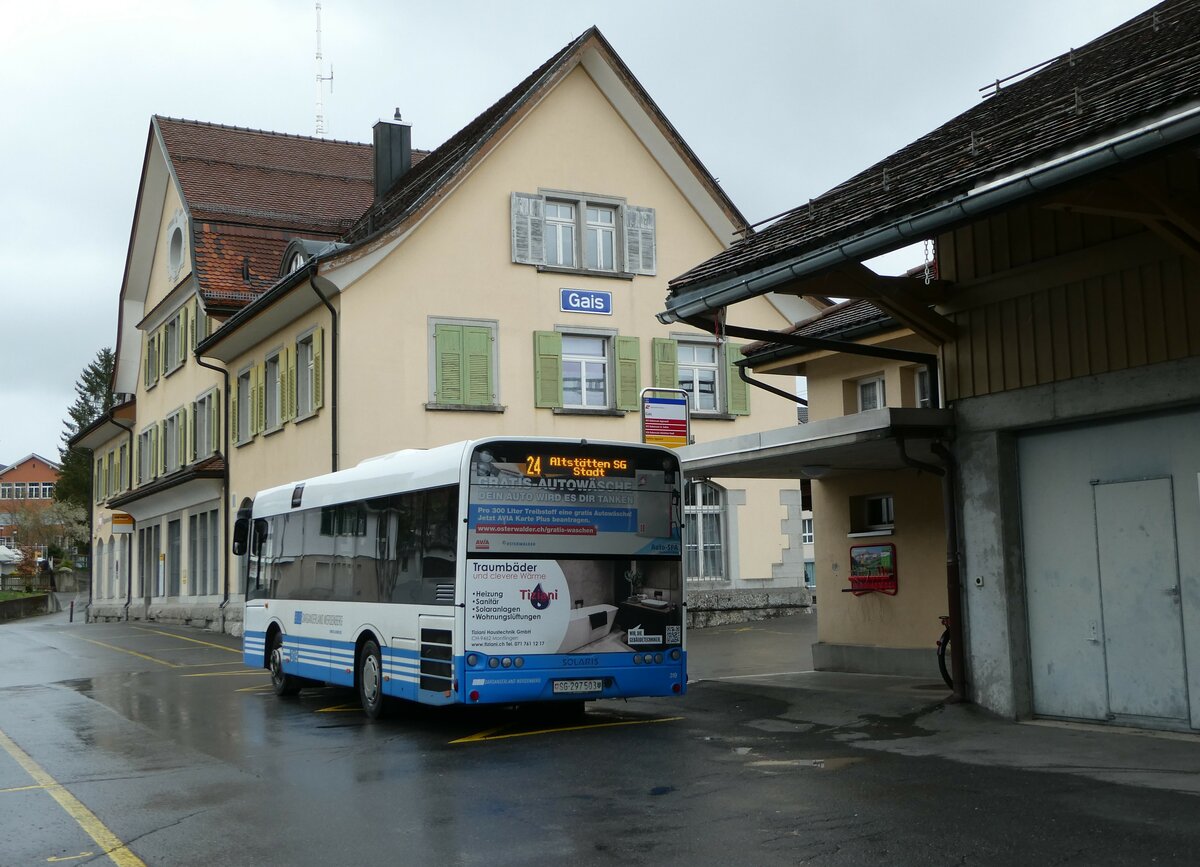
(495, 571)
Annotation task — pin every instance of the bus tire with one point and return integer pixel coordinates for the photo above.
(370, 679)
(285, 685)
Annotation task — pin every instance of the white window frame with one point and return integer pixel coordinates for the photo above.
(887, 512)
(273, 390)
(555, 227)
(806, 531)
(580, 202)
(876, 385)
(694, 524)
(175, 437)
(206, 406)
(609, 342)
(171, 337)
(921, 384)
(719, 392)
(600, 229)
(245, 406)
(147, 453)
(6, 490)
(305, 374)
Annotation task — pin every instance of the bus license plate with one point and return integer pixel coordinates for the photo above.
(561, 686)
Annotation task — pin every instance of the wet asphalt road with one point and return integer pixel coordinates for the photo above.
(155, 743)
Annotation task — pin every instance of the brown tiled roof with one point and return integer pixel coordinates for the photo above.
(1140, 70)
(845, 321)
(237, 263)
(249, 191)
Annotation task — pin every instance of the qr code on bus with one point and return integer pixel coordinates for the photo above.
(673, 634)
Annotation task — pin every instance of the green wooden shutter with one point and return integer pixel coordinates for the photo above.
(214, 420)
(666, 362)
(479, 378)
(737, 392)
(164, 363)
(448, 379)
(182, 342)
(547, 368)
(318, 383)
(629, 373)
(146, 360)
(134, 468)
(195, 321)
(233, 409)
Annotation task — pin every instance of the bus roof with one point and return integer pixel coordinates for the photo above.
(407, 470)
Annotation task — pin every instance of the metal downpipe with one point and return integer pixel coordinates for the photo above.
(958, 664)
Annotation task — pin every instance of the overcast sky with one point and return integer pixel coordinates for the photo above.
(781, 101)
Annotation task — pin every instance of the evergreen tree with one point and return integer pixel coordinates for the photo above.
(93, 398)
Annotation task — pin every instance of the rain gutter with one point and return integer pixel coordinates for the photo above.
(972, 205)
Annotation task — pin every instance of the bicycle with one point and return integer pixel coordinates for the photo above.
(943, 648)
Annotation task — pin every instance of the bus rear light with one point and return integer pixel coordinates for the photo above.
(519, 662)
(658, 657)
(675, 687)
(472, 659)
(675, 654)
(647, 659)
(637, 660)
(493, 663)
(475, 693)
(506, 662)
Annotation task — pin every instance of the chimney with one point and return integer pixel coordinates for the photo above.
(393, 153)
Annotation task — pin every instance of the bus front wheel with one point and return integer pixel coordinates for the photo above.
(283, 683)
(370, 679)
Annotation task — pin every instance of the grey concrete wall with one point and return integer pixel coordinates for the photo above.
(201, 615)
(989, 507)
(718, 607)
(28, 606)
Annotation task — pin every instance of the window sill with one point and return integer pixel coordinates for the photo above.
(272, 430)
(303, 418)
(239, 443)
(579, 410)
(714, 416)
(583, 272)
(465, 407)
(171, 370)
(867, 534)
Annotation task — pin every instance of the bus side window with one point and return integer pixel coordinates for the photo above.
(439, 542)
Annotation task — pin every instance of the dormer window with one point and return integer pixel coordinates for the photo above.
(298, 260)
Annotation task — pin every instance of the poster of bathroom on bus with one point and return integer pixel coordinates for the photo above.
(572, 606)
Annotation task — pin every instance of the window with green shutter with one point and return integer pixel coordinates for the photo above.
(547, 369)
(463, 363)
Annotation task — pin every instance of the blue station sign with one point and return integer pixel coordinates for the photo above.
(585, 301)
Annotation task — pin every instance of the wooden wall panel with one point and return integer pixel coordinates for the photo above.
(1137, 316)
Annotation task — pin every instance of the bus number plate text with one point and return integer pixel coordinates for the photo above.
(565, 686)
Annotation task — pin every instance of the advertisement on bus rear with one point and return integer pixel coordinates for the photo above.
(572, 606)
(554, 501)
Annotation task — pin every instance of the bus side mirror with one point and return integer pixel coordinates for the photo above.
(260, 535)
(241, 532)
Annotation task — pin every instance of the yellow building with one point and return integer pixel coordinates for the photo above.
(503, 283)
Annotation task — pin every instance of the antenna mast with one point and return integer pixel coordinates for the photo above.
(321, 78)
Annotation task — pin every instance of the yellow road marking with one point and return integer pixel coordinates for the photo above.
(20, 789)
(236, 650)
(339, 708)
(105, 839)
(71, 857)
(130, 652)
(226, 673)
(490, 734)
(209, 664)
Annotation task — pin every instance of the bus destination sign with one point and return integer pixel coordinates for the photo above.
(551, 466)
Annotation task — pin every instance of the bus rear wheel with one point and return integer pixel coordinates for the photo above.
(283, 683)
(370, 680)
